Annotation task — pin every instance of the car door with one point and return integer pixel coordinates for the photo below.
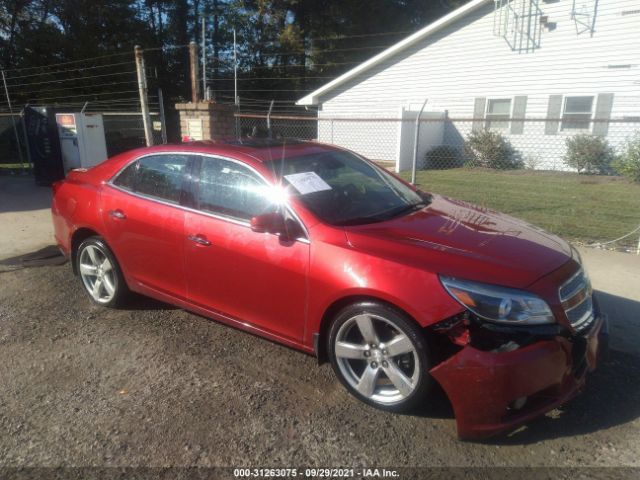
(145, 222)
(252, 277)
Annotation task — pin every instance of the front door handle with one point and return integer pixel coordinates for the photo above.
(119, 214)
(200, 240)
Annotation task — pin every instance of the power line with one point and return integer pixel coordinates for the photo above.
(329, 50)
(68, 63)
(70, 70)
(251, 79)
(69, 79)
(362, 35)
(85, 95)
(75, 87)
(311, 65)
(265, 90)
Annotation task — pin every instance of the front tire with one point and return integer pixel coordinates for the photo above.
(381, 356)
(100, 273)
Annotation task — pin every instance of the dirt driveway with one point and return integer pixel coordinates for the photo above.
(152, 385)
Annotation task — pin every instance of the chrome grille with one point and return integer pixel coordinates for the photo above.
(576, 297)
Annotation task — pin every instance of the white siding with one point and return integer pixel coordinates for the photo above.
(431, 134)
(376, 140)
(465, 60)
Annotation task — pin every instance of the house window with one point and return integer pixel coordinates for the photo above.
(497, 115)
(577, 112)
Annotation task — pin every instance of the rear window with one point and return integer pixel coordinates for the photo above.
(159, 176)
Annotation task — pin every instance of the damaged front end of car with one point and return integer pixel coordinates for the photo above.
(514, 355)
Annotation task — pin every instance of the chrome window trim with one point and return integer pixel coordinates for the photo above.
(202, 212)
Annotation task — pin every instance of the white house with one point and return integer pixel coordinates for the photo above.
(486, 65)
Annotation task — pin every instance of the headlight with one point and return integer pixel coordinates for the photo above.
(499, 304)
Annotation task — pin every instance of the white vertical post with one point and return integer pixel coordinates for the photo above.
(142, 89)
(416, 137)
(163, 121)
(204, 59)
(235, 70)
(269, 119)
(26, 137)
(13, 120)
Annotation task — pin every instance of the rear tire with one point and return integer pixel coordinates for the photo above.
(381, 356)
(100, 273)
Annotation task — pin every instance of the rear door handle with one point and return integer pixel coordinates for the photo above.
(200, 240)
(119, 214)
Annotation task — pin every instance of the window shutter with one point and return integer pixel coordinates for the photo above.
(603, 112)
(478, 113)
(519, 111)
(554, 110)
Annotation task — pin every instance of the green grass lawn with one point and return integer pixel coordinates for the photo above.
(577, 207)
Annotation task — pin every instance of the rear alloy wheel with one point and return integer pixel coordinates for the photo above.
(100, 273)
(380, 356)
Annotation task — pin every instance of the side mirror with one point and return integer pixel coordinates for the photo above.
(269, 223)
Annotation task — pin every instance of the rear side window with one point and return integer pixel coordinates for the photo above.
(127, 177)
(230, 189)
(159, 176)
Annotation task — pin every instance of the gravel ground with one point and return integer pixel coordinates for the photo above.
(153, 385)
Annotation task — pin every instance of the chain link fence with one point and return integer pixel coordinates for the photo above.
(13, 154)
(125, 131)
(552, 172)
(252, 125)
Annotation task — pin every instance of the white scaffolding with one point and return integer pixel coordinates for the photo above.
(518, 22)
(583, 13)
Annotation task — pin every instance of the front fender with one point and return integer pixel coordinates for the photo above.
(350, 274)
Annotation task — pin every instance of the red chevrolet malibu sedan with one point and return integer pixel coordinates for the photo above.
(319, 249)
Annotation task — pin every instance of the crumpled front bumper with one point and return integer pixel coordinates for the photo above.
(483, 386)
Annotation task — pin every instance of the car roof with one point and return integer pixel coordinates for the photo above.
(261, 149)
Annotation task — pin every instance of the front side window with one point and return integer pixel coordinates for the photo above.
(497, 115)
(232, 190)
(577, 113)
(158, 176)
(340, 188)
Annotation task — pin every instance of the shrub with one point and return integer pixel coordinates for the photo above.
(489, 149)
(532, 161)
(589, 154)
(442, 157)
(628, 164)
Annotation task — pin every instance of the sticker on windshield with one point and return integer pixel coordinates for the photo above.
(307, 182)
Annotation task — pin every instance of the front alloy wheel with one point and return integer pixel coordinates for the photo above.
(380, 356)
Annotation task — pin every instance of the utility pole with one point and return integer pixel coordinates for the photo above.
(142, 89)
(216, 39)
(13, 120)
(193, 61)
(235, 70)
(204, 57)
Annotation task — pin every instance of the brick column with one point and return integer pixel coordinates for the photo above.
(206, 121)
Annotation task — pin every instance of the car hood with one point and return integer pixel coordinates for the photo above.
(456, 238)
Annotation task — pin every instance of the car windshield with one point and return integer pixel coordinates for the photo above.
(343, 189)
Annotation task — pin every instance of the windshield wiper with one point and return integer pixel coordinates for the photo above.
(407, 209)
(387, 215)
